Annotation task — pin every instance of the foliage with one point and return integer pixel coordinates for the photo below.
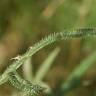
(30, 89)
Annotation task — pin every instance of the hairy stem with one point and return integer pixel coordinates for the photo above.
(80, 33)
(24, 85)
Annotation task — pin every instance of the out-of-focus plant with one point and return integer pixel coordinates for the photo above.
(74, 80)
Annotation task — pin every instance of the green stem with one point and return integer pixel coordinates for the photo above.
(82, 33)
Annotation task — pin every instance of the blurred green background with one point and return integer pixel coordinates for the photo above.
(25, 22)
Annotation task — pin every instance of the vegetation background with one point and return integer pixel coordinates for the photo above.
(25, 22)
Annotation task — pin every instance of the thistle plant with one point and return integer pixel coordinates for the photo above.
(31, 89)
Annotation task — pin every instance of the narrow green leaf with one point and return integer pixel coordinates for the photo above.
(45, 67)
(74, 79)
